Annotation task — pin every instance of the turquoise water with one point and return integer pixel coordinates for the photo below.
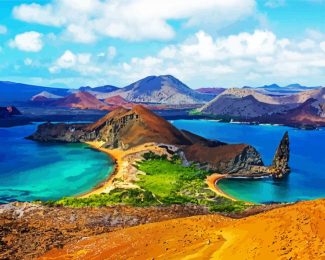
(31, 170)
(307, 179)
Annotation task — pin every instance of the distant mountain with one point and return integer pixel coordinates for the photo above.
(309, 113)
(275, 89)
(272, 86)
(81, 100)
(241, 107)
(211, 91)
(44, 96)
(11, 92)
(118, 101)
(251, 105)
(102, 89)
(159, 89)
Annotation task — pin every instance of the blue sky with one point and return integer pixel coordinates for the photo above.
(204, 43)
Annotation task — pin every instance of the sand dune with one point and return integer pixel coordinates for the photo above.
(291, 232)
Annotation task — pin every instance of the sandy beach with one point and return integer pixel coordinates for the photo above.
(124, 174)
(212, 181)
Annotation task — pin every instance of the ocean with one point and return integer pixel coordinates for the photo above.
(307, 160)
(31, 170)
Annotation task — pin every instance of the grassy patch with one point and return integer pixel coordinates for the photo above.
(165, 182)
(133, 197)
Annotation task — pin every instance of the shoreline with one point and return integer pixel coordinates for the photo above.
(212, 182)
(124, 170)
(105, 184)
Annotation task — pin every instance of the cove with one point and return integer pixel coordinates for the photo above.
(31, 170)
(307, 161)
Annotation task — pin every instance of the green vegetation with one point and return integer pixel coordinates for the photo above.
(165, 182)
(194, 112)
(133, 197)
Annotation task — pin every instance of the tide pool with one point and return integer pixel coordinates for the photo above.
(31, 170)
(307, 160)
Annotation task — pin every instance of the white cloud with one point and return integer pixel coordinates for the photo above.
(244, 58)
(3, 29)
(84, 21)
(80, 62)
(28, 41)
(255, 58)
(28, 61)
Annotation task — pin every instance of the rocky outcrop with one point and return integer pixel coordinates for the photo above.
(70, 133)
(280, 163)
(9, 111)
(229, 159)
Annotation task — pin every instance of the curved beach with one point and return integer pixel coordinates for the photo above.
(212, 181)
(116, 156)
(124, 170)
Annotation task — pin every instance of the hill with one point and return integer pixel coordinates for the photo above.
(243, 104)
(11, 92)
(44, 96)
(249, 104)
(291, 232)
(160, 89)
(102, 89)
(118, 101)
(211, 91)
(311, 113)
(81, 100)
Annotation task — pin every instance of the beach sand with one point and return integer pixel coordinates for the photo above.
(212, 181)
(124, 170)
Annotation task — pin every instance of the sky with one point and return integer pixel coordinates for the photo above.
(204, 43)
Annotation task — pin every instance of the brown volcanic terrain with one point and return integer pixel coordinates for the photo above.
(310, 113)
(292, 232)
(118, 101)
(81, 100)
(249, 105)
(28, 230)
(128, 128)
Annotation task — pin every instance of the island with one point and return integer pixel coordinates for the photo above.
(149, 152)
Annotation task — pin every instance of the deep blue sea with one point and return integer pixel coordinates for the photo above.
(41, 171)
(307, 179)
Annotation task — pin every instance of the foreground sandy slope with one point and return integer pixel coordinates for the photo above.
(292, 232)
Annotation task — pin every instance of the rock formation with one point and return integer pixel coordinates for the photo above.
(124, 129)
(280, 163)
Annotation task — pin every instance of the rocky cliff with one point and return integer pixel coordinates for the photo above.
(280, 162)
(124, 129)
